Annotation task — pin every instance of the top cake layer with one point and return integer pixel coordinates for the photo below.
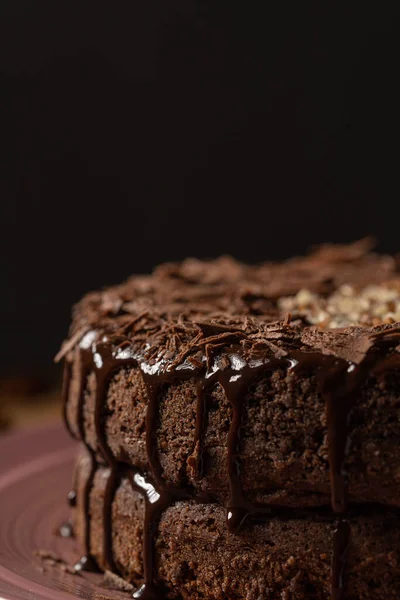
(276, 383)
(333, 300)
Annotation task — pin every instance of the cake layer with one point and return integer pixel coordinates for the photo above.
(196, 557)
(283, 446)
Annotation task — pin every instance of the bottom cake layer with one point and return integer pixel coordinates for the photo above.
(196, 557)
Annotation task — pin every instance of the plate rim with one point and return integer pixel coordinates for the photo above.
(31, 460)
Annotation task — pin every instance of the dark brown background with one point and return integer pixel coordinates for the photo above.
(139, 131)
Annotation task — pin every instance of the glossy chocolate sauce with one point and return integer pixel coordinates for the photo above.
(201, 422)
(66, 530)
(71, 498)
(340, 545)
(338, 381)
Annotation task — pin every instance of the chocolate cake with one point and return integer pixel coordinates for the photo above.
(240, 428)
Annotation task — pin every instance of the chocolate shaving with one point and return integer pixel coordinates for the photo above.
(52, 560)
(69, 344)
(197, 307)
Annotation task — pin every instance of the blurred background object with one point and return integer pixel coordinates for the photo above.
(138, 132)
(28, 400)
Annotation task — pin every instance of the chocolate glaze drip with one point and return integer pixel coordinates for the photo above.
(84, 361)
(86, 563)
(156, 501)
(67, 376)
(337, 381)
(71, 498)
(102, 361)
(66, 530)
(235, 387)
(340, 545)
(153, 387)
(339, 393)
(201, 420)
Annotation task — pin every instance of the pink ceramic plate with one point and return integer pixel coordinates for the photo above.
(35, 474)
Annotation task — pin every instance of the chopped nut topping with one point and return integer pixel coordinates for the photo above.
(372, 305)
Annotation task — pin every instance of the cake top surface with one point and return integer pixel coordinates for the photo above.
(342, 300)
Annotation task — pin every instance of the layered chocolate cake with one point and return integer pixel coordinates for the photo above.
(240, 428)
